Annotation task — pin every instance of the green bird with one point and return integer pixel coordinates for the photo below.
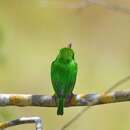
(63, 76)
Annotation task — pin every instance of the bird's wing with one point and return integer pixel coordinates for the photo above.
(55, 77)
(70, 83)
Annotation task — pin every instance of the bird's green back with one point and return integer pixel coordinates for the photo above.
(64, 72)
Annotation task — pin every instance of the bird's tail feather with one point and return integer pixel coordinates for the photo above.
(60, 110)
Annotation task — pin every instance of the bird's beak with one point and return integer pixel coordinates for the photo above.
(69, 45)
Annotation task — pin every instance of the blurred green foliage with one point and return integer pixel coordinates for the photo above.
(2, 57)
(1, 36)
(6, 114)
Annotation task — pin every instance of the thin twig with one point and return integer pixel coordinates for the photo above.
(62, 4)
(105, 4)
(23, 120)
(120, 82)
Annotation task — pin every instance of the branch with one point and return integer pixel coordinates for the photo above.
(23, 120)
(74, 100)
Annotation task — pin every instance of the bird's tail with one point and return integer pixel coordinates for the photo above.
(60, 110)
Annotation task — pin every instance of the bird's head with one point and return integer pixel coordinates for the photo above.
(66, 54)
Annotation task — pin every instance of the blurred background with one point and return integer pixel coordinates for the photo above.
(31, 34)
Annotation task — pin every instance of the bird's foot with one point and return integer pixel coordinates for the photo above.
(68, 99)
(55, 98)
